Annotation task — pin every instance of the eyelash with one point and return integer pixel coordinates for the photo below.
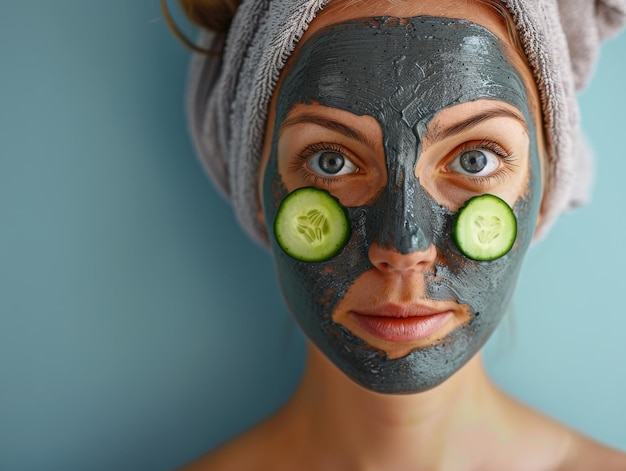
(299, 163)
(507, 158)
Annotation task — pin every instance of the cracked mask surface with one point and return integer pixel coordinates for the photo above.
(401, 72)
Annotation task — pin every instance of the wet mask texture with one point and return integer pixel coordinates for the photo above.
(401, 72)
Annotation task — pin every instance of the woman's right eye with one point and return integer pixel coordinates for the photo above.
(330, 163)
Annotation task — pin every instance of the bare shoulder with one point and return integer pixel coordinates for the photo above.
(251, 451)
(585, 454)
(243, 452)
(555, 446)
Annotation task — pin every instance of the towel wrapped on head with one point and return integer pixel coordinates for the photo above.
(229, 96)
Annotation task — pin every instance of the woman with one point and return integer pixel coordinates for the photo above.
(384, 126)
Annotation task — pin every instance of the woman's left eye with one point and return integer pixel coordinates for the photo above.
(330, 163)
(475, 162)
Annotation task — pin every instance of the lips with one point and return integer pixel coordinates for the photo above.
(401, 323)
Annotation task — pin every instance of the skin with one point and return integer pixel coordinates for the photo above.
(463, 423)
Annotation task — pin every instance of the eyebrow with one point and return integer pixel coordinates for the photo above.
(332, 125)
(435, 134)
(438, 134)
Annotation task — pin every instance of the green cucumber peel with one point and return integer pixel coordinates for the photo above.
(485, 228)
(311, 225)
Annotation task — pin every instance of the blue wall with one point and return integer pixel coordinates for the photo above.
(139, 327)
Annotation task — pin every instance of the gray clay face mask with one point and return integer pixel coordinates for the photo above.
(401, 73)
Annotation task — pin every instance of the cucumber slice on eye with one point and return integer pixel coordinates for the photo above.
(311, 225)
(485, 228)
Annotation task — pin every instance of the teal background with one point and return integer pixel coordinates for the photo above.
(139, 326)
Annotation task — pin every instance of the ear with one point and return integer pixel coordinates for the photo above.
(540, 217)
(539, 229)
(260, 213)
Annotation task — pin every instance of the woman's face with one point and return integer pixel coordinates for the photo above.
(403, 120)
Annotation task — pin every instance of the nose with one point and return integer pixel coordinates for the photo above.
(403, 239)
(389, 260)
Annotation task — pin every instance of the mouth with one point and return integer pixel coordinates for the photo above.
(401, 323)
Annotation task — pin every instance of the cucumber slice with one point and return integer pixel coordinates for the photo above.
(311, 225)
(485, 228)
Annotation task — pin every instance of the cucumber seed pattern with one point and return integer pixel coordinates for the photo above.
(313, 226)
(488, 228)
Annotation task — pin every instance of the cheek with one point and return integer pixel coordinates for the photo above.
(312, 289)
(487, 287)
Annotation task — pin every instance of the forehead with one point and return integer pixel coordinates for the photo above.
(411, 66)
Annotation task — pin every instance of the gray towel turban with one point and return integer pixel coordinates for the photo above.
(228, 97)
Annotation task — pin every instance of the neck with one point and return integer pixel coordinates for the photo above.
(350, 426)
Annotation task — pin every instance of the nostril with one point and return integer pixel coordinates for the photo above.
(390, 259)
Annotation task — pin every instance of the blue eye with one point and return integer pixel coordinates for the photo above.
(330, 163)
(475, 162)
